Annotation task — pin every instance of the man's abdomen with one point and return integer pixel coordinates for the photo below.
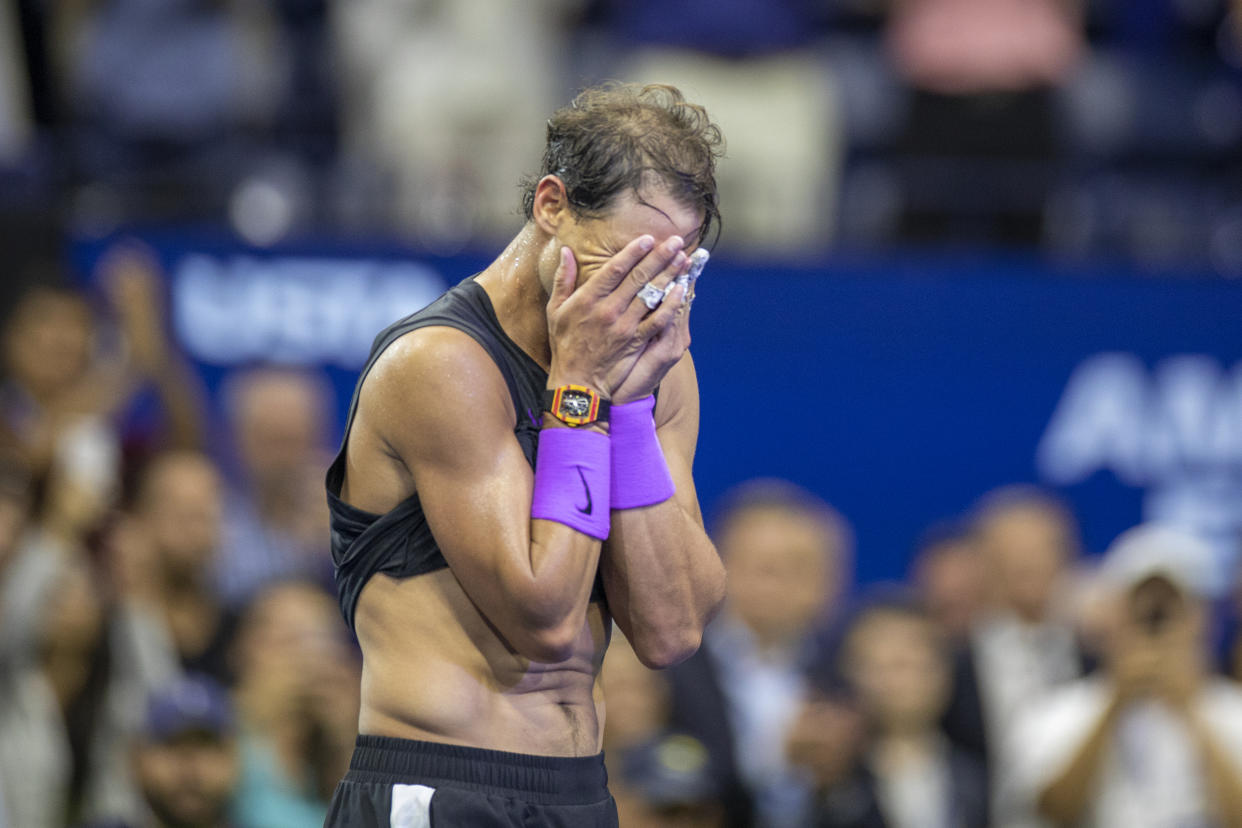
(435, 670)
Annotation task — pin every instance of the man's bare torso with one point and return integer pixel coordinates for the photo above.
(434, 668)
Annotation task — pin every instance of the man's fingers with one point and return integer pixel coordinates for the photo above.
(615, 270)
(657, 282)
(564, 279)
(662, 262)
(663, 316)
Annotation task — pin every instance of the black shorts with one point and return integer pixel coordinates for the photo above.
(399, 783)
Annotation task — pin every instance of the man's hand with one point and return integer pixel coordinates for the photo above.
(663, 351)
(598, 332)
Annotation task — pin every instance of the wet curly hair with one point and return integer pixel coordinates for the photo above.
(619, 137)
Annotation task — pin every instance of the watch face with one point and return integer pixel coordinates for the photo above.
(575, 404)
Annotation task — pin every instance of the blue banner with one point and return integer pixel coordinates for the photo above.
(899, 389)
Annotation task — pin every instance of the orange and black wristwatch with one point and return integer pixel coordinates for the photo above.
(575, 405)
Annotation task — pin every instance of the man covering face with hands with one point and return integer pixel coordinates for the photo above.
(516, 476)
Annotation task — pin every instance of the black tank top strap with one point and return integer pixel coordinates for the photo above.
(466, 308)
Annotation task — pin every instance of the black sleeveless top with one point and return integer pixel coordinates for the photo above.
(400, 543)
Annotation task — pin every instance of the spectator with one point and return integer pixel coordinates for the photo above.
(71, 504)
(133, 283)
(65, 711)
(657, 777)
(54, 397)
(786, 552)
(1233, 645)
(638, 699)
(166, 557)
(981, 74)
(185, 757)
(1023, 647)
(15, 496)
(14, 503)
(15, 115)
(827, 738)
(948, 573)
(275, 518)
(996, 45)
(670, 786)
(1153, 740)
(62, 395)
(297, 696)
(896, 664)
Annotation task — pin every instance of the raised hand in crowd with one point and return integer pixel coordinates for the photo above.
(132, 280)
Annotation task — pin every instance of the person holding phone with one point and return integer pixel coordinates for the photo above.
(1154, 739)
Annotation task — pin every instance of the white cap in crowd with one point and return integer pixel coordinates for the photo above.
(1157, 549)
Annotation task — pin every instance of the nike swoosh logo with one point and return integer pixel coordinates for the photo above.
(586, 510)
(530, 413)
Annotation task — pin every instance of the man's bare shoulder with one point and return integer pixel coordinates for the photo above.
(425, 383)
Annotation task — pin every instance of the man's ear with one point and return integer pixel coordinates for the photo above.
(551, 204)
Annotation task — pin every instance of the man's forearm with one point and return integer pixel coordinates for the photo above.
(664, 580)
(662, 575)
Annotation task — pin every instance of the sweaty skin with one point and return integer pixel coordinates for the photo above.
(502, 650)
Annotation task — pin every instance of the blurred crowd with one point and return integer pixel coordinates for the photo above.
(171, 651)
(1007, 683)
(1088, 128)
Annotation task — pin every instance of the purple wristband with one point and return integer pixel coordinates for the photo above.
(571, 480)
(640, 476)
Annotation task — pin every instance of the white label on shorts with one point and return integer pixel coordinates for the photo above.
(411, 806)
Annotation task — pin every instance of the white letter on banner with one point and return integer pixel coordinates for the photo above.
(344, 299)
(1229, 418)
(257, 322)
(395, 291)
(1099, 423)
(205, 310)
(298, 332)
(1188, 393)
(293, 310)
